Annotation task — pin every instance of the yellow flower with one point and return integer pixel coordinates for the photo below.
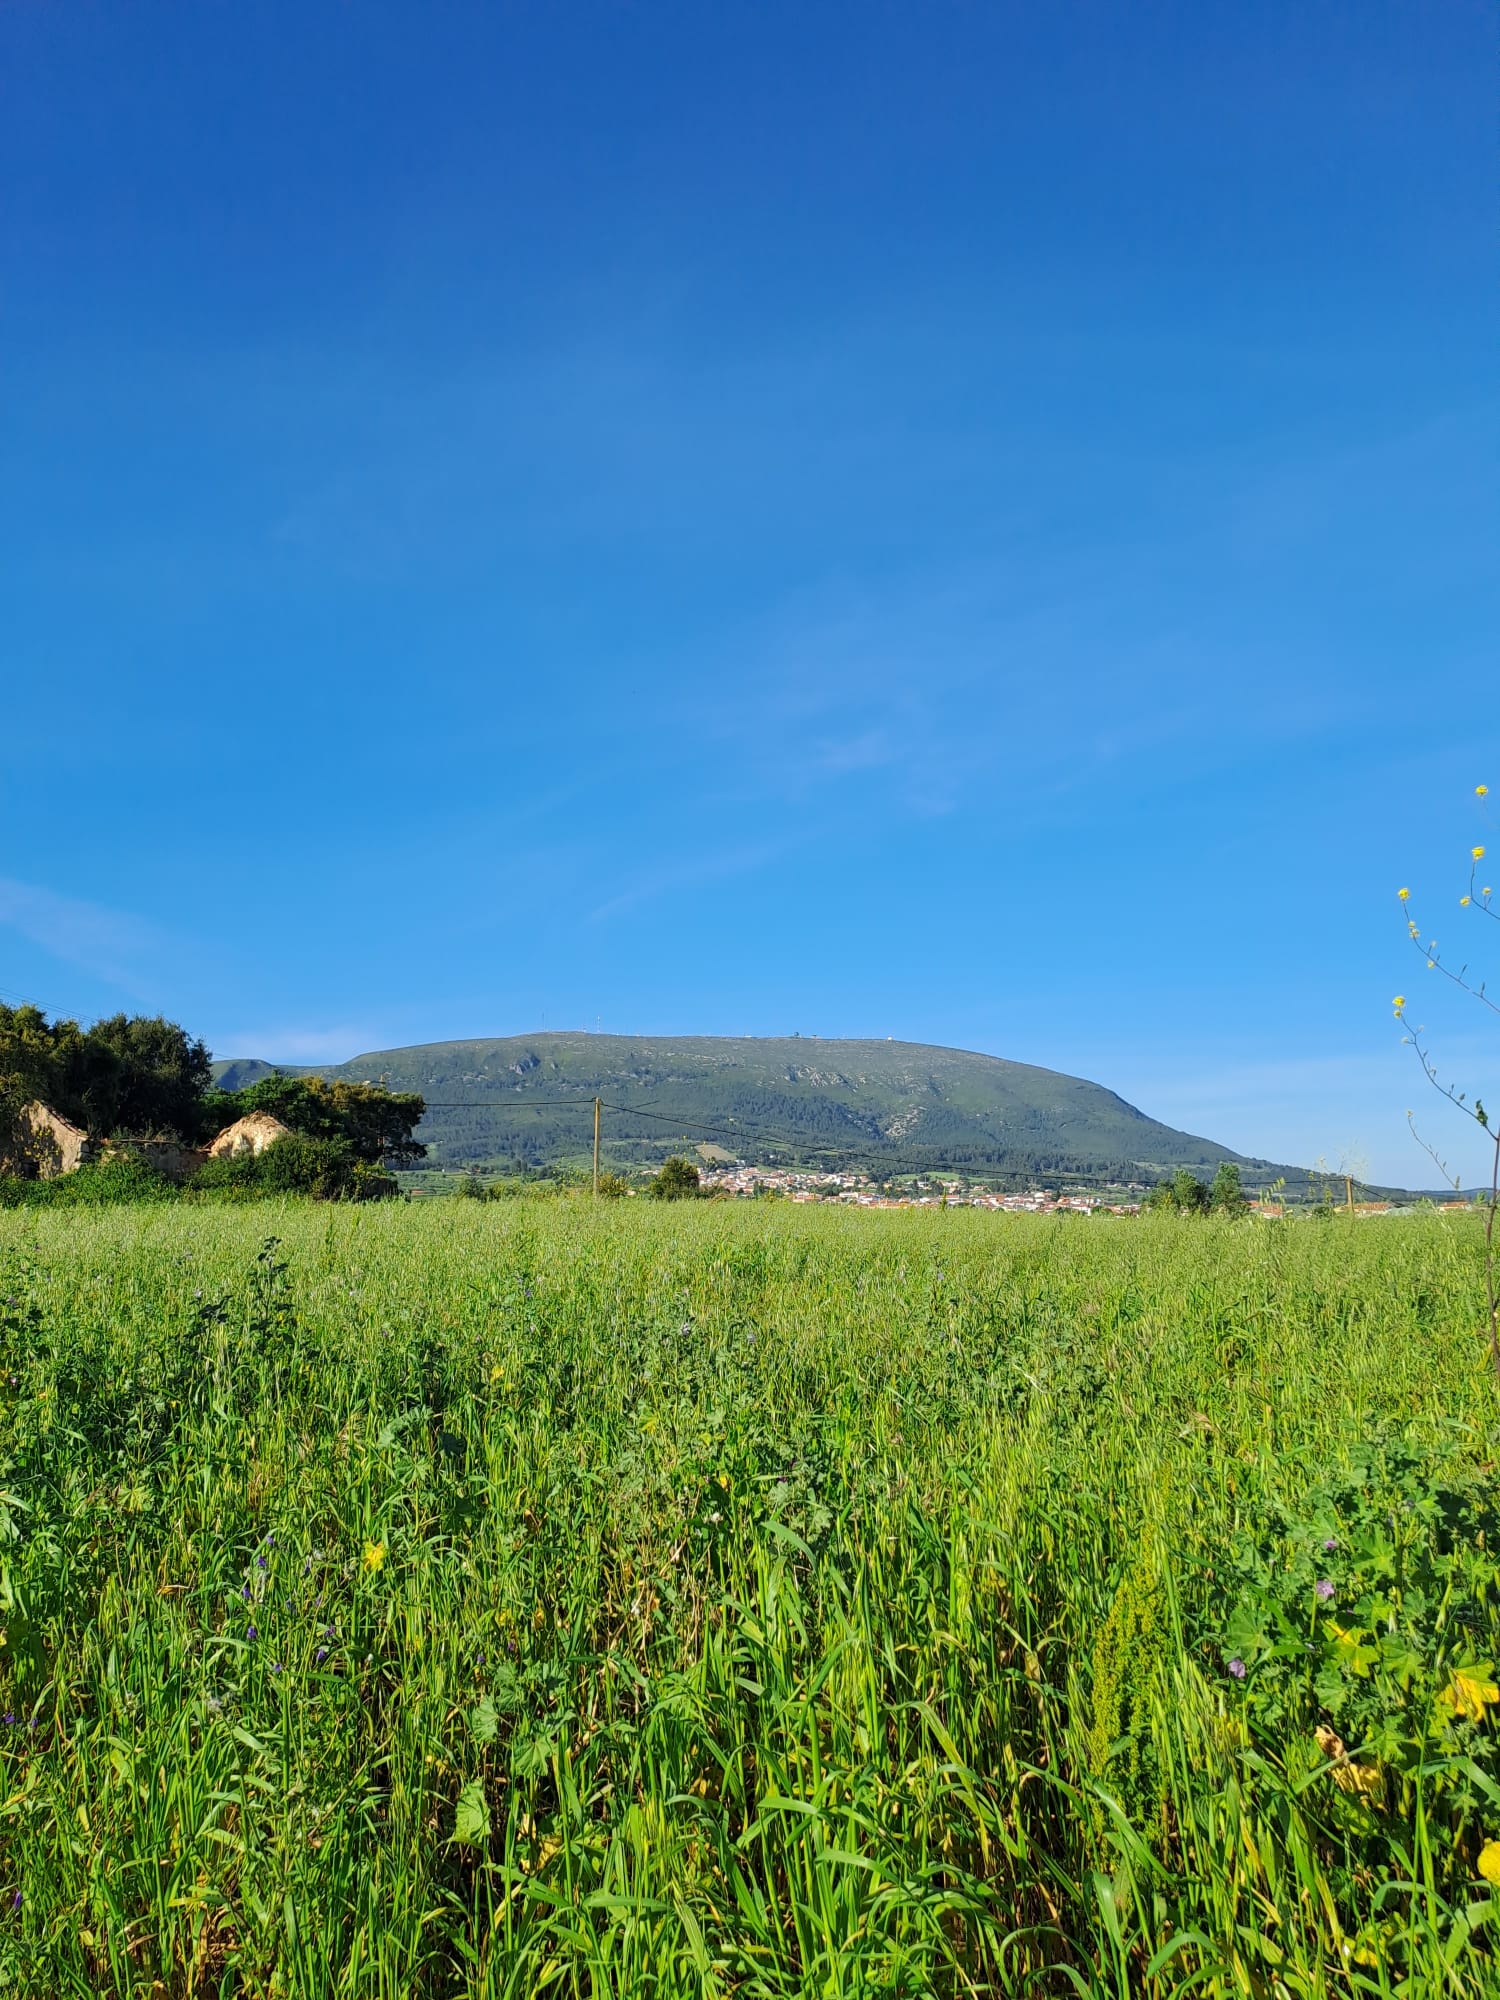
(374, 1555)
(1477, 852)
(724, 1481)
(1463, 902)
(1489, 1861)
(1469, 1694)
(1481, 791)
(1403, 894)
(1399, 1002)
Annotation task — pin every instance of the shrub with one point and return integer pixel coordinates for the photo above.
(325, 1169)
(677, 1181)
(122, 1177)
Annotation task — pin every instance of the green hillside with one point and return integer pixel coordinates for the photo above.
(898, 1107)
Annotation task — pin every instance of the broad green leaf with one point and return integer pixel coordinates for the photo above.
(471, 1820)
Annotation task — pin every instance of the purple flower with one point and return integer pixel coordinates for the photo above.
(10, 1718)
(1323, 1588)
(1237, 1668)
(251, 1633)
(15, 1901)
(245, 1593)
(276, 1667)
(320, 1656)
(1329, 1546)
(260, 1562)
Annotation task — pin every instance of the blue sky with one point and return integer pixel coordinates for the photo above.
(968, 523)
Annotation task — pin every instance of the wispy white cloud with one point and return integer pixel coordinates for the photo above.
(690, 873)
(115, 946)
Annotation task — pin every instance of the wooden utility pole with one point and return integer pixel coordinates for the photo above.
(596, 1145)
(1349, 1192)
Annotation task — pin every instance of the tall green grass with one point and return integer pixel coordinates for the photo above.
(511, 1600)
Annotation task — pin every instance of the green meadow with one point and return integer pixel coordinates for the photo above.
(543, 1598)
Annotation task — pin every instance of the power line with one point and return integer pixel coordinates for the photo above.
(636, 1111)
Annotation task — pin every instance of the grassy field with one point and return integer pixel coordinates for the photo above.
(524, 1598)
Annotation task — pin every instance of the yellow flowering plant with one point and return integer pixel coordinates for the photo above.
(1476, 900)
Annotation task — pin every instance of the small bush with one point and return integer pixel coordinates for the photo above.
(121, 1177)
(325, 1169)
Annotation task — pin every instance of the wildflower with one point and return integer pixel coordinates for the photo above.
(1481, 791)
(260, 1562)
(1489, 1863)
(1399, 1002)
(276, 1667)
(1477, 852)
(15, 1901)
(1463, 902)
(374, 1556)
(1330, 1545)
(10, 1718)
(251, 1633)
(320, 1656)
(1323, 1589)
(245, 1593)
(724, 1481)
(1237, 1668)
(1404, 894)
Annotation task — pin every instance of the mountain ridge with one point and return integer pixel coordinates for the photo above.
(895, 1107)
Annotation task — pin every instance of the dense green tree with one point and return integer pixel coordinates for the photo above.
(137, 1074)
(1183, 1194)
(1226, 1196)
(677, 1181)
(127, 1074)
(377, 1124)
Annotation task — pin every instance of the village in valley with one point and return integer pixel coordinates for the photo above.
(858, 1190)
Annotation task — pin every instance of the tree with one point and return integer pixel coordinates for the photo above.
(1183, 1194)
(376, 1123)
(139, 1074)
(1226, 1196)
(129, 1073)
(677, 1181)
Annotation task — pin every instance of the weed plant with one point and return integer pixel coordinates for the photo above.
(501, 1599)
